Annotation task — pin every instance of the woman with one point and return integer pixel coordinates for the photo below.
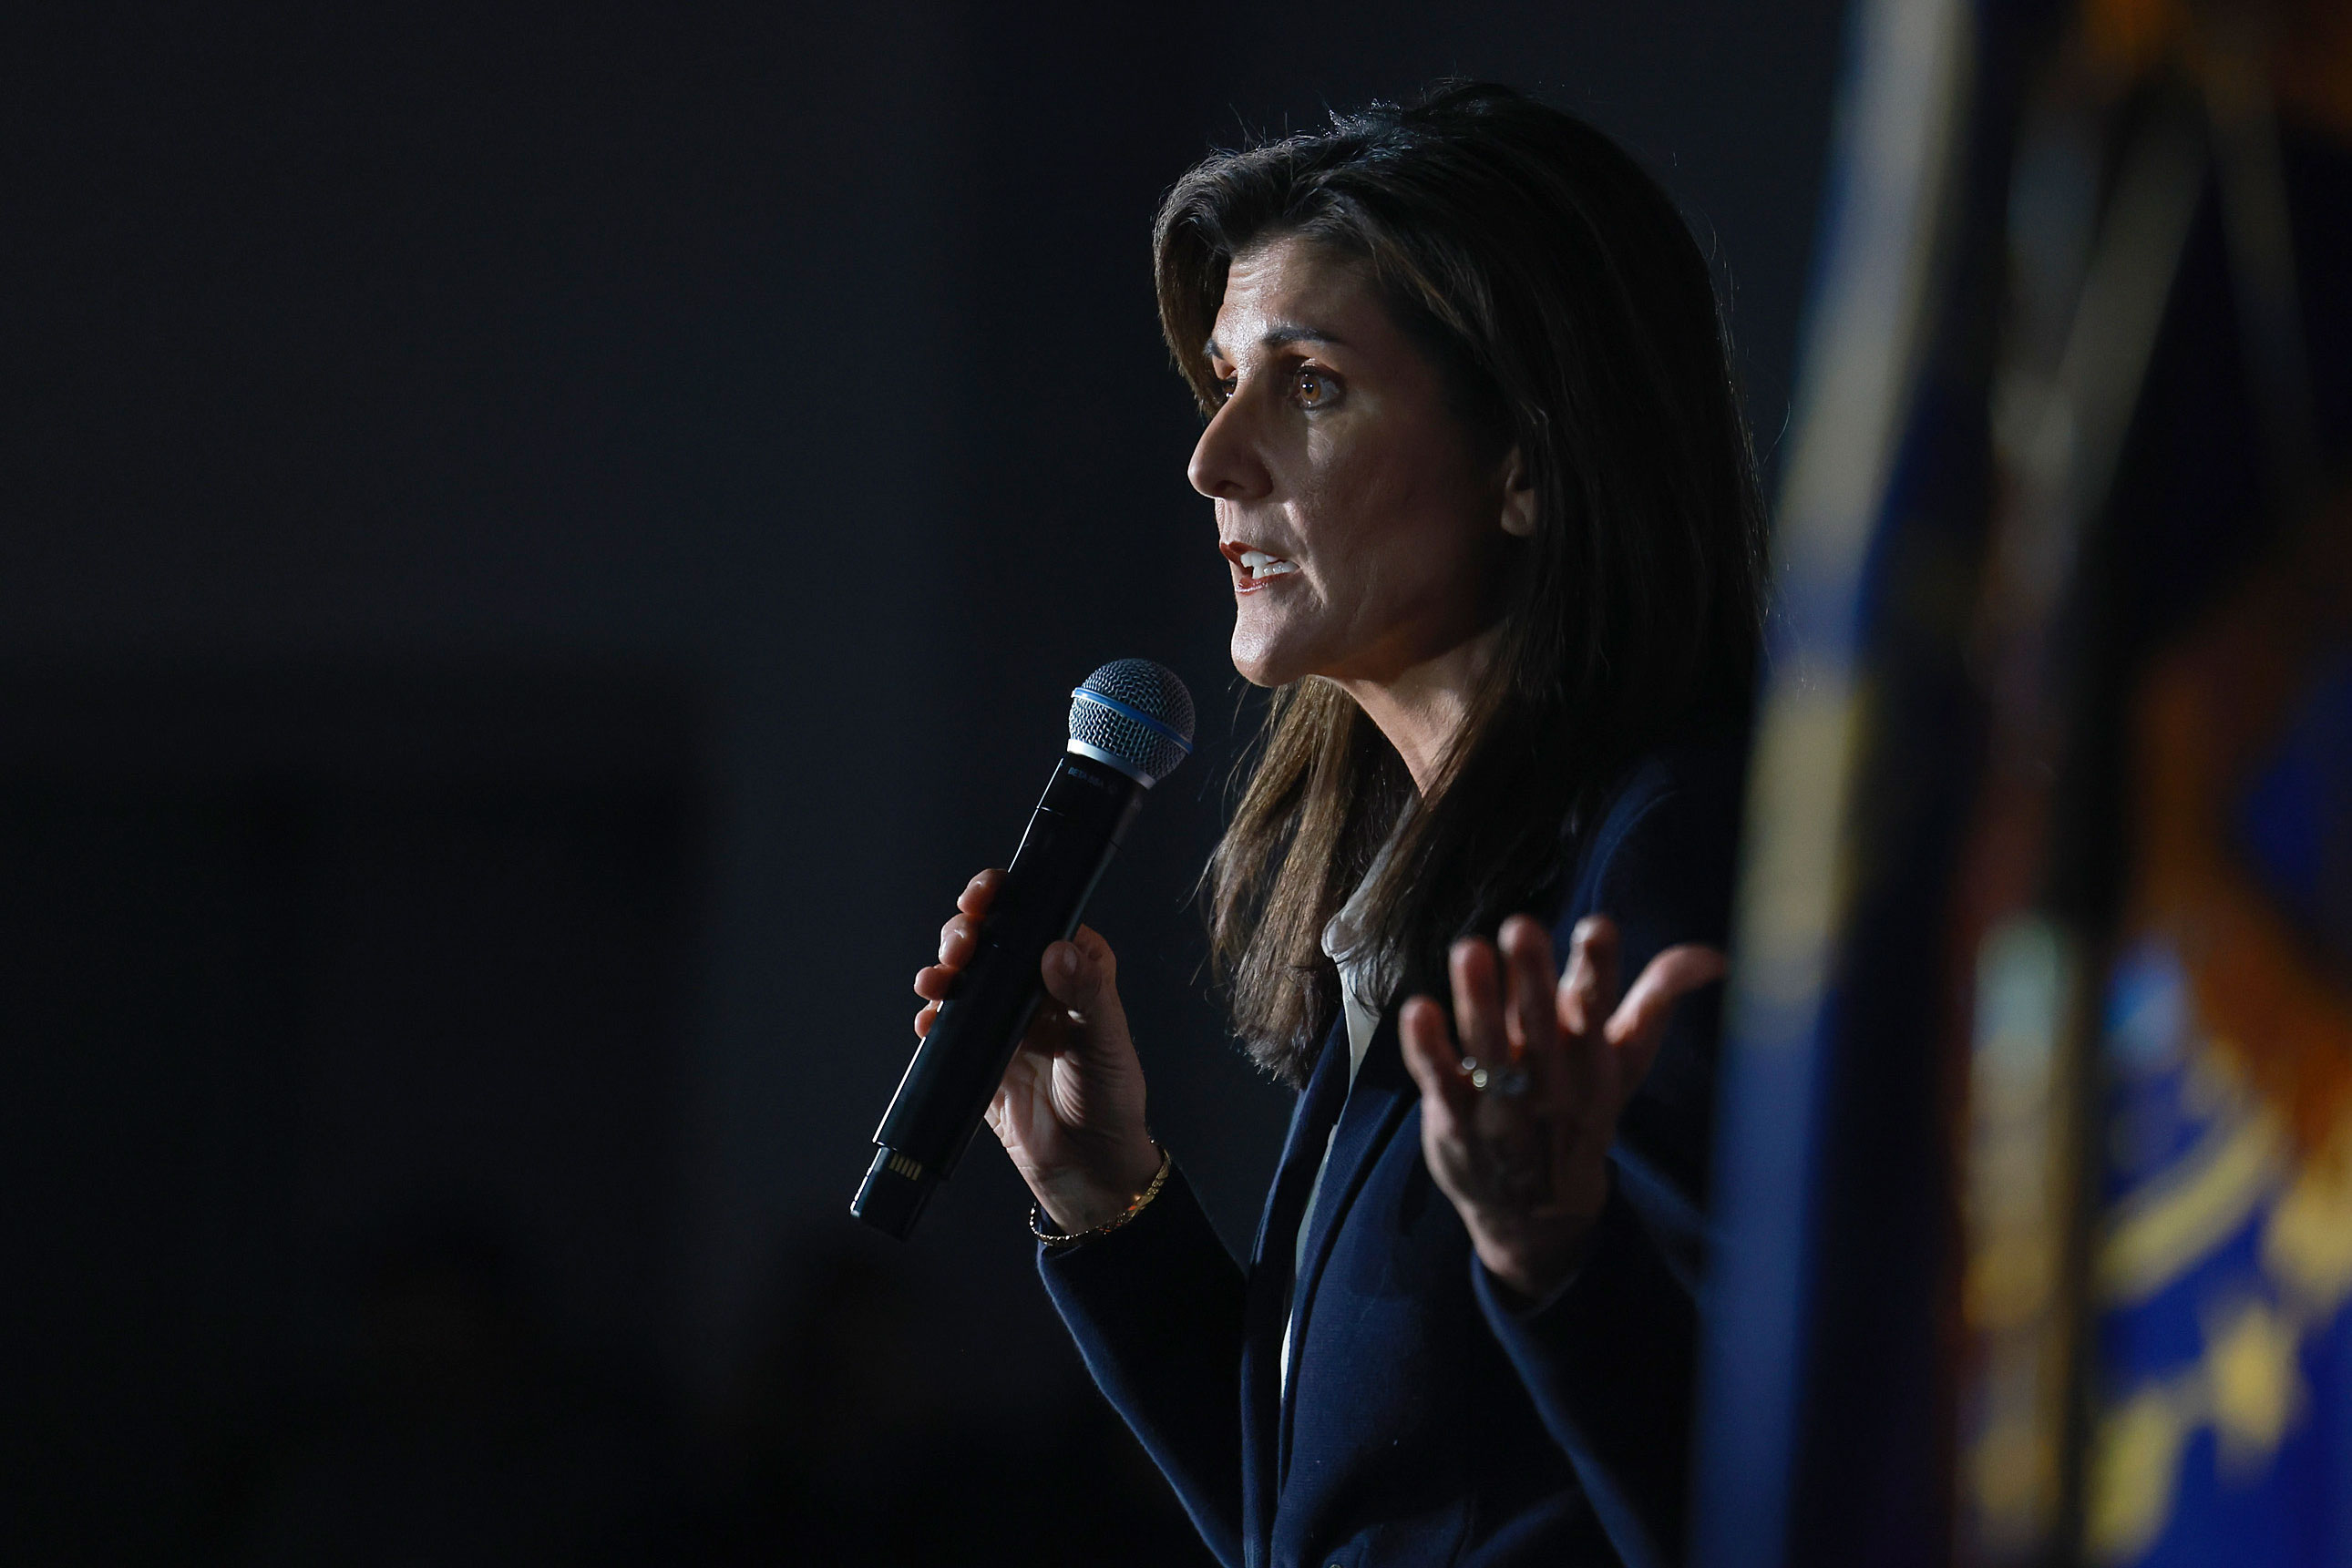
(1482, 488)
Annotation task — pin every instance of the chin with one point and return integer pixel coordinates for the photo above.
(1256, 674)
(1269, 651)
(1263, 665)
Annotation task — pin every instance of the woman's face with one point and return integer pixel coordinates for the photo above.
(1361, 526)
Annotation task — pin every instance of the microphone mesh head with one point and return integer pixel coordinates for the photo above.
(1137, 711)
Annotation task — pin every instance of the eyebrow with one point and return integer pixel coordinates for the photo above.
(1281, 335)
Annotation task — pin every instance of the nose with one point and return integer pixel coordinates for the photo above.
(1226, 465)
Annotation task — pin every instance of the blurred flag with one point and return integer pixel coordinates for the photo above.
(2224, 1267)
(2034, 1170)
(2157, 1196)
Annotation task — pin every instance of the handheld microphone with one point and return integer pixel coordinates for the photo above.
(1131, 724)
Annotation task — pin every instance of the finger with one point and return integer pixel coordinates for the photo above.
(933, 983)
(1639, 1024)
(979, 893)
(959, 938)
(1435, 1066)
(1585, 1081)
(1479, 1020)
(1477, 1001)
(1531, 1022)
(1588, 990)
(924, 1019)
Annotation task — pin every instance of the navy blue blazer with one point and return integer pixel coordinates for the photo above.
(1427, 1421)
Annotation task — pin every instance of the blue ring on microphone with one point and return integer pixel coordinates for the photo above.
(1145, 719)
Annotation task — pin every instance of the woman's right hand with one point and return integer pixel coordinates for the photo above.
(1070, 1110)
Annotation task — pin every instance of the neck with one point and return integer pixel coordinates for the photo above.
(1423, 708)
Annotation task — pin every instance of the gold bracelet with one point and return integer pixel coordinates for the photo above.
(1141, 1201)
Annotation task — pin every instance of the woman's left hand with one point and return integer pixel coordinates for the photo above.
(1517, 1124)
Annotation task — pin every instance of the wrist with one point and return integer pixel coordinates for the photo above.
(1533, 1254)
(1085, 1196)
(1062, 1235)
(1531, 1267)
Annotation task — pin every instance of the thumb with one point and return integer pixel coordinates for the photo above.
(1638, 1027)
(1082, 974)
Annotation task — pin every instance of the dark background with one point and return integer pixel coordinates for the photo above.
(537, 550)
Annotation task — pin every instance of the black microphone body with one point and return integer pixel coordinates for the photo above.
(1131, 723)
(937, 1111)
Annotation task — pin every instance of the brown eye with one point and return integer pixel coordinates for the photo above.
(1314, 391)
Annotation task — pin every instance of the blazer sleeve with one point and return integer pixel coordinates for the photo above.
(1156, 1308)
(1610, 1360)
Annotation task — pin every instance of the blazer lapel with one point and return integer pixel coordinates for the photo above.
(1383, 1092)
(1264, 1310)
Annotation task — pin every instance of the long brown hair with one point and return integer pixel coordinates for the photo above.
(1556, 287)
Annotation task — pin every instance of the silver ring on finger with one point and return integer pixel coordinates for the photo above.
(1510, 1083)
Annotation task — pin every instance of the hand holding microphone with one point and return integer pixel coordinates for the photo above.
(1070, 1110)
(1059, 1082)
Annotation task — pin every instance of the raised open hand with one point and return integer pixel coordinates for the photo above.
(1516, 1124)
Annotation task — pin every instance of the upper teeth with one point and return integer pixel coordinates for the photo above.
(1260, 564)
